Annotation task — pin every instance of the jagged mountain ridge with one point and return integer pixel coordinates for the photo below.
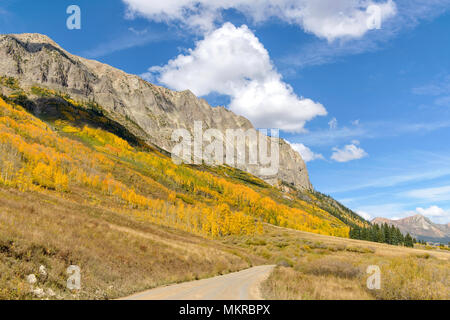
(148, 111)
(420, 227)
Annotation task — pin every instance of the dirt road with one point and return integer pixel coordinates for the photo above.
(243, 285)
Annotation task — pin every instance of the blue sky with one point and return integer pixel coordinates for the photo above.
(368, 108)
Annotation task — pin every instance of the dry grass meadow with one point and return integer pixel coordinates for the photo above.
(328, 268)
(120, 255)
(117, 254)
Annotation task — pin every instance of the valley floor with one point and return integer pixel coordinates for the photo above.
(334, 268)
(119, 255)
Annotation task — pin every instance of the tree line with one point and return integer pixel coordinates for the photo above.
(383, 234)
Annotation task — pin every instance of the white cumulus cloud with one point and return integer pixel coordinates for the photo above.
(433, 211)
(348, 153)
(365, 215)
(328, 19)
(233, 62)
(306, 153)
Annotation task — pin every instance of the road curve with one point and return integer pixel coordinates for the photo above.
(243, 285)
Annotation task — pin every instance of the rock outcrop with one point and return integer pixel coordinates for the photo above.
(150, 112)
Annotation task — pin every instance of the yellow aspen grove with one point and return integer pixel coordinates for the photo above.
(141, 182)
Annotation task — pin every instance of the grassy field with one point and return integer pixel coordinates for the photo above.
(120, 255)
(320, 267)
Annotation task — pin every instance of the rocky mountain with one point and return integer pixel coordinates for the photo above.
(150, 112)
(420, 227)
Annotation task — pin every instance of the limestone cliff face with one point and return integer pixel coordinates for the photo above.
(151, 112)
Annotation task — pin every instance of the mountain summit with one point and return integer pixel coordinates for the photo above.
(420, 227)
(149, 112)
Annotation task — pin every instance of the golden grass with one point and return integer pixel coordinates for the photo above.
(120, 255)
(331, 266)
(117, 255)
(335, 268)
(329, 278)
(380, 249)
(414, 278)
(289, 284)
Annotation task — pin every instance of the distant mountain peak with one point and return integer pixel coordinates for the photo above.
(420, 227)
(419, 217)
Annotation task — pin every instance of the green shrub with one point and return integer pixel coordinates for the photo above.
(284, 262)
(332, 266)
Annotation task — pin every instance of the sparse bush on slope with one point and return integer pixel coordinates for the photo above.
(414, 279)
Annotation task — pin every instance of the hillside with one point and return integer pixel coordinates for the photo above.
(74, 193)
(81, 96)
(83, 182)
(419, 227)
(65, 182)
(149, 112)
(62, 156)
